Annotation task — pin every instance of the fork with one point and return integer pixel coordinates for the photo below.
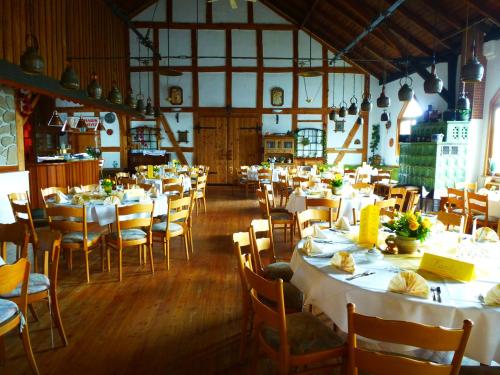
(366, 273)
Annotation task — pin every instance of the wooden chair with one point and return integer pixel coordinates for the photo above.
(281, 217)
(176, 189)
(477, 209)
(72, 223)
(387, 207)
(413, 201)
(51, 192)
(172, 181)
(293, 341)
(363, 187)
(127, 182)
(200, 192)
(176, 224)
(452, 220)
(20, 204)
(363, 178)
(120, 175)
(141, 168)
(404, 333)
(284, 189)
(331, 205)
(144, 186)
(307, 218)
(265, 176)
(297, 181)
(42, 287)
(456, 201)
(133, 228)
(399, 193)
(191, 221)
(13, 315)
(471, 187)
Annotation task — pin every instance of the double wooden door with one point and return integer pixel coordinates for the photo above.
(225, 143)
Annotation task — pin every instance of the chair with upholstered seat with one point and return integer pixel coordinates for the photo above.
(278, 217)
(51, 192)
(133, 228)
(452, 221)
(455, 202)
(298, 340)
(477, 209)
(42, 287)
(200, 192)
(175, 225)
(404, 333)
(72, 223)
(12, 315)
(329, 204)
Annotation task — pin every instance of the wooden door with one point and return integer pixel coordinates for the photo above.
(225, 143)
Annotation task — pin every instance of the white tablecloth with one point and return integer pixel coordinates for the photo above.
(326, 287)
(186, 183)
(297, 203)
(253, 174)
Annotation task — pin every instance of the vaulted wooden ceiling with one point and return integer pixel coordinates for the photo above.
(417, 28)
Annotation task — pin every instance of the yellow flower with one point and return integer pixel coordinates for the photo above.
(413, 224)
(338, 176)
(426, 223)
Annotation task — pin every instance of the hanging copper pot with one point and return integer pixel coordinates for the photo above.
(384, 116)
(366, 104)
(353, 108)
(149, 108)
(131, 100)
(31, 61)
(405, 93)
(383, 101)
(473, 71)
(94, 89)
(332, 115)
(115, 96)
(463, 102)
(140, 107)
(343, 110)
(69, 78)
(433, 84)
(359, 120)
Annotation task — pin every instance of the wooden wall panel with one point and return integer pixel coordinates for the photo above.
(68, 28)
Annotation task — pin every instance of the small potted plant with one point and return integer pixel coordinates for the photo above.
(336, 183)
(107, 185)
(265, 164)
(409, 229)
(305, 142)
(176, 163)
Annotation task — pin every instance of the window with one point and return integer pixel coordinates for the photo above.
(492, 162)
(495, 149)
(407, 118)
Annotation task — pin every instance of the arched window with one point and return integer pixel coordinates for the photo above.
(492, 162)
(407, 118)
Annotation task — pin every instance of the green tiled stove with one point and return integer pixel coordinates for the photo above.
(432, 162)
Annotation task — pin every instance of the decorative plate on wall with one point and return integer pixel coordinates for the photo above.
(109, 132)
(391, 142)
(109, 117)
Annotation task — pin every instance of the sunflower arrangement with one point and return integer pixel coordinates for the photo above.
(411, 225)
(107, 185)
(337, 181)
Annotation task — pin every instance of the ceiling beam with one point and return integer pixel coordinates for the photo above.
(442, 13)
(138, 9)
(309, 13)
(481, 9)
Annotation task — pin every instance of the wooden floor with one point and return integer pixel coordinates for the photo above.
(184, 321)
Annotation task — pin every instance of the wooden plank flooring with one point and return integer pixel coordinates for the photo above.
(184, 321)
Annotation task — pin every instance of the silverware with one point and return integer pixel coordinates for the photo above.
(433, 290)
(438, 290)
(366, 273)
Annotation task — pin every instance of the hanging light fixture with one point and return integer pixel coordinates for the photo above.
(405, 93)
(69, 78)
(114, 95)
(149, 106)
(359, 120)
(353, 108)
(130, 99)
(94, 89)
(473, 70)
(384, 116)
(310, 72)
(343, 104)
(463, 102)
(31, 60)
(55, 120)
(366, 104)
(339, 126)
(433, 84)
(332, 115)
(100, 126)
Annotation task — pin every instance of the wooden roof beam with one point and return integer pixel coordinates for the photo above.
(309, 13)
(442, 13)
(481, 9)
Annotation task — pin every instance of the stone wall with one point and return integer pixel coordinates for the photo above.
(8, 141)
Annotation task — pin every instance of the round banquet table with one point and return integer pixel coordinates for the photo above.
(297, 203)
(327, 288)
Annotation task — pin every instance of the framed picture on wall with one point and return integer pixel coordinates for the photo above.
(277, 96)
(175, 95)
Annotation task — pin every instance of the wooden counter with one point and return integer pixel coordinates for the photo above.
(64, 174)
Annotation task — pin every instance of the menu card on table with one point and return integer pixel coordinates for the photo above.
(368, 226)
(447, 267)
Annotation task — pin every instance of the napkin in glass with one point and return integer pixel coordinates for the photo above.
(61, 197)
(409, 282)
(344, 261)
(486, 234)
(492, 298)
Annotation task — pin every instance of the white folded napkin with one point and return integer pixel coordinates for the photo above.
(311, 248)
(153, 192)
(486, 234)
(77, 200)
(76, 190)
(492, 298)
(343, 224)
(61, 197)
(409, 282)
(317, 232)
(134, 194)
(343, 261)
(112, 200)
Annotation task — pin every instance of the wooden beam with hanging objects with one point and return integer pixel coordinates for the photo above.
(347, 142)
(170, 134)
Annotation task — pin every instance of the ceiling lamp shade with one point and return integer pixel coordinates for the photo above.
(55, 120)
(384, 116)
(168, 72)
(463, 102)
(81, 124)
(433, 84)
(310, 73)
(343, 110)
(332, 115)
(366, 104)
(405, 93)
(353, 108)
(31, 61)
(94, 89)
(100, 126)
(130, 100)
(69, 78)
(115, 96)
(359, 120)
(473, 71)
(383, 101)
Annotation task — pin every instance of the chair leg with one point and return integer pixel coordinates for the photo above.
(120, 264)
(186, 247)
(87, 265)
(191, 240)
(28, 350)
(103, 250)
(56, 316)
(244, 332)
(166, 246)
(204, 204)
(150, 246)
(33, 312)
(140, 255)
(2, 351)
(35, 257)
(108, 258)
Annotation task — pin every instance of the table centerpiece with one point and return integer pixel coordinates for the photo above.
(410, 228)
(336, 183)
(107, 185)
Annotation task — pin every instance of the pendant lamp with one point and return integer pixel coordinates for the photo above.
(463, 102)
(433, 84)
(473, 71)
(383, 101)
(55, 120)
(384, 116)
(100, 126)
(69, 78)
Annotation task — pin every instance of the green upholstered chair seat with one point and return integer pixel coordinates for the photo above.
(294, 299)
(129, 234)
(37, 282)
(161, 227)
(278, 270)
(281, 215)
(75, 237)
(306, 334)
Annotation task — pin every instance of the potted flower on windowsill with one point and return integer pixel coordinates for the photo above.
(410, 228)
(336, 183)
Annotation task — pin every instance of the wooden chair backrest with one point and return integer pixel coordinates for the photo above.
(399, 193)
(11, 275)
(177, 188)
(243, 259)
(242, 238)
(477, 203)
(119, 175)
(413, 199)
(141, 168)
(364, 187)
(127, 182)
(172, 181)
(138, 215)
(16, 233)
(20, 204)
(51, 192)
(201, 182)
(297, 181)
(178, 209)
(261, 237)
(68, 219)
(386, 203)
(265, 174)
(307, 218)
(333, 206)
(451, 219)
(363, 178)
(145, 186)
(90, 188)
(263, 203)
(469, 186)
(404, 333)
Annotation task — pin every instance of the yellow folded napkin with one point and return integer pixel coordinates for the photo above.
(492, 298)
(61, 197)
(317, 233)
(343, 223)
(77, 200)
(409, 282)
(344, 261)
(112, 200)
(486, 234)
(75, 190)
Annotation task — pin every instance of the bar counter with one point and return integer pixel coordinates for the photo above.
(60, 174)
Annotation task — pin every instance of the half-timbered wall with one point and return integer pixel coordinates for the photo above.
(230, 61)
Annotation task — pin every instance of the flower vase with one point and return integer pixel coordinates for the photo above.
(406, 245)
(337, 190)
(108, 189)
